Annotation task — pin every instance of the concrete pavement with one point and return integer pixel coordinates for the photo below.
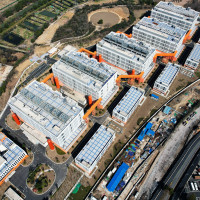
(21, 174)
(176, 172)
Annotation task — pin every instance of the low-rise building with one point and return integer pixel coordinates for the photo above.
(11, 156)
(126, 53)
(163, 37)
(94, 149)
(166, 78)
(52, 115)
(184, 18)
(193, 59)
(86, 75)
(128, 104)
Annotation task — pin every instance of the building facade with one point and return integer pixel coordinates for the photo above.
(59, 118)
(165, 79)
(193, 59)
(92, 152)
(86, 75)
(184, 18)
(128, 104)
(163, 37)
(11, 156)
(126, 53)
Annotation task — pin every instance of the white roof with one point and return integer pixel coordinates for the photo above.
(195, 54)
(47, 107)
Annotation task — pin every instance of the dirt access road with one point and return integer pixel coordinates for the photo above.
(171, 149)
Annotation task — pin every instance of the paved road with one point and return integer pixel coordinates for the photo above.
(180, 166)
(179, 191)
(19, 178)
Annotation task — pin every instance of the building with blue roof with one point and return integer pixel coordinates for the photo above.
(166, 78)
(155, 97)
(146, 131)
(167, 110)
(117, 177)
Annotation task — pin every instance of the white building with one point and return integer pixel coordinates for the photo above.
(92, 152)
(125, 108)
(54, 116)
(184, 18)
(11, 156)
(193, 59)
(126, 53)
(86, 75)
(163, 37)
(165, 79)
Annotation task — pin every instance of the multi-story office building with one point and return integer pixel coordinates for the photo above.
(57, 117)
(193, 59)
(126, 53)
(86, 76)
(184, 18)
(165, 79)
(92, 152)
(163, 37)
(11, 156)
(125, 108)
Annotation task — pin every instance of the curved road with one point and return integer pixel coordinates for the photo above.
(179, 167)
(21, 174)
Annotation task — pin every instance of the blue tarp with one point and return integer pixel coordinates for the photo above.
(130, 153)
(167, 110)
(150, 133)
(117, 177)
(154, 96)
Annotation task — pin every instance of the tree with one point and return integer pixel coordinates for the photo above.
(191, 197)
(100, 21)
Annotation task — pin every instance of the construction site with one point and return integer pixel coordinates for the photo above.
(59, 107)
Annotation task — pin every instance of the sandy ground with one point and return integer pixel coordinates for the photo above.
(3, 188)
(166, 157)
(48, 34)
(11, 123)
(122, 12)
(53, 155)
(4, 3)
(109, 18)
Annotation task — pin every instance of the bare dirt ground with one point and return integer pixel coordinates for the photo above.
(40, 50)
(138, 14)
(167, 155)
(108, 19)
(53, 155)
(48, 34)
(72, 177)
(4, 3)
(29, 159)
(122, 12)
(11, 123)
(11, 84)
(3, 188)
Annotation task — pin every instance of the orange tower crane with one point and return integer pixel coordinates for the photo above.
(15, 117)
(50, 143)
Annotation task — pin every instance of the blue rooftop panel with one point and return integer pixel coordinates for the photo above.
(154, 96)
(117, 177)
(167, 110)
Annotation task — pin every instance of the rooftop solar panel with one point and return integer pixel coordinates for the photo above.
(195, 54)
(168, 75)
(128, 101)
(95, 145)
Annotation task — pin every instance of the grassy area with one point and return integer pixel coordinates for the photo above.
(59, 151)
(80, 194)
(153, 111)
